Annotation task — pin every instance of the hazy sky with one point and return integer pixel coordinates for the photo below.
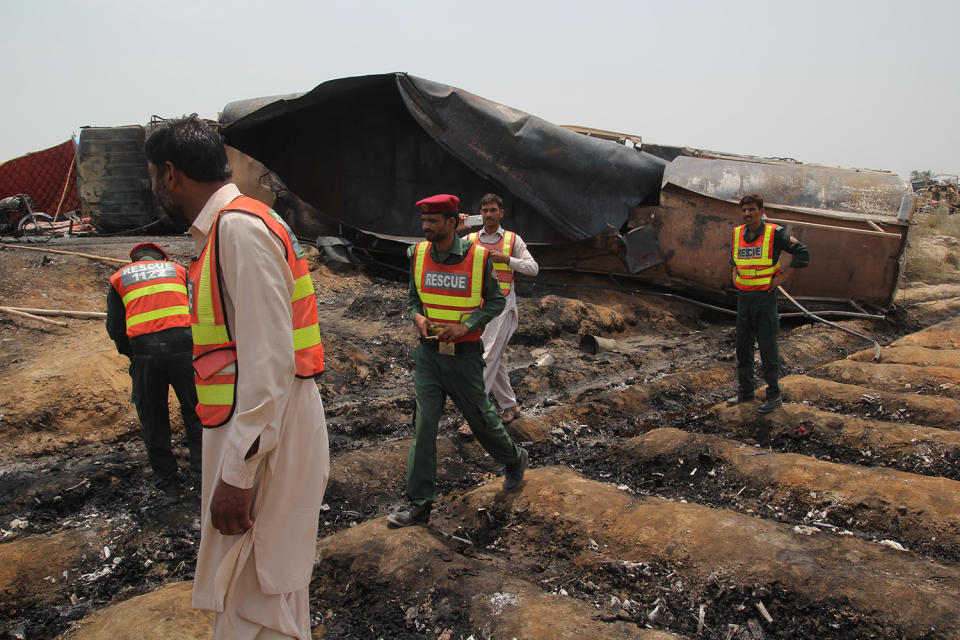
(855, 84)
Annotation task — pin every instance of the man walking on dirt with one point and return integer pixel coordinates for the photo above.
(148, 319)
(757, 274)
(452, 296)
(509, 253)
(256, 350)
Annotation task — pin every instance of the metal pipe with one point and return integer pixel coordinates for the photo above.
(869, 232)
(845, 314)
(876, 345)
(724, 310)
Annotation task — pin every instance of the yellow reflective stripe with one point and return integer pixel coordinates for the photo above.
(767, 271)
(306, 337)
(421, 252)
(203, 298)
(754, 282)
(453, 315)
(215, 394)
(154, 288)
(473, 236)
(451, 301)
(166, 312)
(204, 334)
(479, 257)
(508, 243)
(505, 287)
(302, 287)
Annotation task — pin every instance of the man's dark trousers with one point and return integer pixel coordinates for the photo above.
(435, 377)
(757, 318)
(152, 375)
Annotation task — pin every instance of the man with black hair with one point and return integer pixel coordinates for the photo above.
(148, 319)
(256, 350)
(452, 296)
(757, 273)
(509, 254)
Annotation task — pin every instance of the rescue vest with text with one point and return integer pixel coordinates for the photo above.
(502, 270)
(154, 294)
(450, 293)
(214, 350)
(754, 260)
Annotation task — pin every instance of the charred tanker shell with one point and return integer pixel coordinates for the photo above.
(362, 150)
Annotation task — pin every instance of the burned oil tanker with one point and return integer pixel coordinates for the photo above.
(359, 151)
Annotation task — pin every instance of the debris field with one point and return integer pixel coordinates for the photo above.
(651, 509)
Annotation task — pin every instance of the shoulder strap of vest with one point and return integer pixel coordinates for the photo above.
(253, 207)
(509, 239)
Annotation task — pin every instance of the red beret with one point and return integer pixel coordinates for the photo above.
(441, 203)
(148, 245)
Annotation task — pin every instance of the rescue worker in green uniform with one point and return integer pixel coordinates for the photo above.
(453, 294)
(757, 273)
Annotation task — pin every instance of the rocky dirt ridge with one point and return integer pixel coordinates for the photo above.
(651, 511)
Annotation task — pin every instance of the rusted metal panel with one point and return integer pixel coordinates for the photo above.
(859, 191)
(848, 258)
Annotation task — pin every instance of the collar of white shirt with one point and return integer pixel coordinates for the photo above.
(490, 238)
(200, 229)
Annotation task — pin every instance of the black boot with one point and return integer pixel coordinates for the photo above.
(737, 399)
(414, 514)
(771, 403)
(513, 474)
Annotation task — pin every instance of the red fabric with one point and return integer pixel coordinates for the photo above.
(41, 175)
(149, 245)
(441, 203)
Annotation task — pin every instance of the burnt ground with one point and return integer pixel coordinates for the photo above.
(636, 430)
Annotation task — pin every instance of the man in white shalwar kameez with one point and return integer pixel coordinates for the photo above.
(497, 333)
(265, 469)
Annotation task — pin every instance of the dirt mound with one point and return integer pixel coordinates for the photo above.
(649, 511)
(165, 613)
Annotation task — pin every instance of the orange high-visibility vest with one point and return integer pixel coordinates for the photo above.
(504, 245)
(214, 350)
(754, 260)
(154, 294)
(450, 293)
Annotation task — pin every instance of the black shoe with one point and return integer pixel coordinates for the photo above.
(513, 475)
(737, 399)
(170, 493)
(414, 514)
(770, 404)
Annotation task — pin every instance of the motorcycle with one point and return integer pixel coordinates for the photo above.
(17, 217)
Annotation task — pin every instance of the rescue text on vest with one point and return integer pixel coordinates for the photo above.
(450, 281)
(140, 272)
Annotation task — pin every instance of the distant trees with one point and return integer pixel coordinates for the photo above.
(921, 176)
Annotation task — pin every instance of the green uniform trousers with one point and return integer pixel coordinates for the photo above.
(757, 318)
(461, 377)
